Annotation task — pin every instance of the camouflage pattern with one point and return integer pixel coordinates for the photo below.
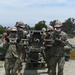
(11, 66)
(12, 60)
(48, 49)
(21, 35)
(13, 54)
(24, 45)
(53, 63)
(8, 66)
(60, 40)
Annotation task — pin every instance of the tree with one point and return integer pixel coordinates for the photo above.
(69, 25)
(27, 27)
(52, 23)
(2, 30)
(40, 25)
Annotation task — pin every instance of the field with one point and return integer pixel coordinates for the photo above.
(72, 52)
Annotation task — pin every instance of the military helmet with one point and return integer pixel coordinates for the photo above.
(20, 24)
(58, 24)
(50, 28)
(43, 29)
(13, 29)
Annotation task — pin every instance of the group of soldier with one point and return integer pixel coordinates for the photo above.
(15, 52)
(54, 40)
(54, 48)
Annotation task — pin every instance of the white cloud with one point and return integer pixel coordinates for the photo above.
(34, 2)
(32, 11)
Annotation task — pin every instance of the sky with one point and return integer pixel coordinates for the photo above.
(33, 11)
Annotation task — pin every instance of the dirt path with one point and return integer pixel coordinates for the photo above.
(69, 69)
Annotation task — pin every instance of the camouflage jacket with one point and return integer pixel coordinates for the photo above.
(48, 41)
(49, 45)
(13, 48)
(60, 40)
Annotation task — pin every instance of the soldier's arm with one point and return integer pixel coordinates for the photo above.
(6, 44)
(64, 39)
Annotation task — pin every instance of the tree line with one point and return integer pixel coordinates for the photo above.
(68, 26)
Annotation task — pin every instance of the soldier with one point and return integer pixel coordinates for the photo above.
(22, 34)
(60, 40)
(48, 41)
(44, 31)
(20, 26)
(12, 58)
(43, 34)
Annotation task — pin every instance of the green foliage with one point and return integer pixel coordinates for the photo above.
(40, 25)
(2, 30)
(31, 28)
(52, 23)
(27, 27)
(69, 26)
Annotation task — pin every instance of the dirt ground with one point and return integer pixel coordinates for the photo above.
(72, 52)
(72, 39)
(69, 69)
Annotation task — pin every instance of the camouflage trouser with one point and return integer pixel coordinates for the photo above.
(47, 57)
(11, 66)
(53, 63)
(51, 66)
(23, 54)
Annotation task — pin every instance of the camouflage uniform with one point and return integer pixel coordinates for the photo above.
(24, 48)
(60, 40)
(59, 56)
(48, 50)
(12, 60)
(12, 57)
(21, 35)
(48, 46)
